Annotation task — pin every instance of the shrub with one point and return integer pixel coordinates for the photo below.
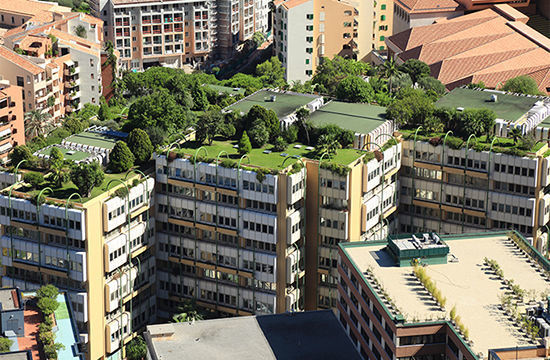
(47, 291)
(244, 144)
(279, 144)
(121, 158)
(5, 344)
(33, 178)
(522, 84)
(86, 177)
(453, 313)
(20, 153)
(259, 134)
(121, 192)
(136, 349)
(341, 170)
(140, 145)
(47, 305)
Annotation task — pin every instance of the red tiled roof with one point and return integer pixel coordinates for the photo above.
(492, 46)
(20, 61)
(426, 6)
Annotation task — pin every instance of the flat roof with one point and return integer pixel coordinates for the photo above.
(545, 122)
(299, 335)
(73, 155)
(93, 139)
(16, 355)
(285, 103)
(508, 107)
(360, 118)
(8, 299)
(226, 89)
(467, 284)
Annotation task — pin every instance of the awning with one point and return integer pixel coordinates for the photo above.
(5, 132)
(5, 147)
(68, 63)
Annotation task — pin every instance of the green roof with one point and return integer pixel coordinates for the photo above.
(360, 118)
(74, 156)
(226, 89)
(508, 107)
(285, 103)
(545, 122)
(273, 160)
(93, 139)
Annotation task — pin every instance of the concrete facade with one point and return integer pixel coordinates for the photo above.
(12, 123)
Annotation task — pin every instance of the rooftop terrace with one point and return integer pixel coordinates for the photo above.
(359, 118)
(265, 157)
(507, 107)
(89, 138)
(465, 280)
(9, 300)
(284, 104)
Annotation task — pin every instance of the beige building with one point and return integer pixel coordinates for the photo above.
(306, 31)
(12, 125)
(412, 13)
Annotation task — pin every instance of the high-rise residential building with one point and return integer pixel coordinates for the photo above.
(12, 124)
(56, 58)
(452, 48)
(452, 189)
(454, 296)
(99, 249)
(306, 31)
(176, 32)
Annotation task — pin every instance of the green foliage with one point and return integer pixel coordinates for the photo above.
(200, 101)
(5, 344)
(136, 349)
(244, 81)
(522, 84)
(411, 110)
(140, 145)
(279, 144)
(342, 136)
(258, 39)
(416, 69)
(327, 143)
(51, 101)
(159, 109)
(37, 123)
(354, 89)
(51, 350)
(121, 192)
(210, 124)
(290, 135)
(47, 305)
(259, 134)
(80, 31)
(20, 153)
(430, 83)
(104, 112)
(338, 169)
(157, 135)
(56, 162)
(47, 291)
(258, 116)
(86, 177)
(74, 124)
(34, 179)
(330, 72)
(121, 158)
(476, 121)
(479, 85)
(401, 81)
(244, 144)
(271, 73)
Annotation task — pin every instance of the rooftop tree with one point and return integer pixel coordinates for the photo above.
(522, 84)
(121, 158)
(86, 177)
(140, 145)
(416, 69)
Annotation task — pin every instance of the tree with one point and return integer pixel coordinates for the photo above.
(411, 110)
(476, 121)
(104, 112)
(187, 312)
(244, 81)
(290, 135)
(431, 83)
(140, 145)
(121, 158)
(57, 166)
(157, 135)
(34, 179)
(200, 101)
(159, 109)
(271, 72)
(74, 124)
(279, 144)
(389, 70)
(259, 134)
(302, 115)
(210, 124)
(522, 84)
(86, 177)
(47, 305)
(36, 123)
(111, 59)
(268, 118)
(5, 344)
(330, 72)
(416, 69)
(258, 39)
(80, 31)
(20, 153)
(327, 143)
(136, 349)
(51, 350)
(401, 81)
(516, 134)
(244, 144)
(355, 89)
(49, 291)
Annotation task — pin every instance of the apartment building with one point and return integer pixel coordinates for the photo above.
(97, 249)
(17, 12)
(173, 33)
(231, 238)
(12, 122)
(388, 312)
(454, 190)
(304, 32)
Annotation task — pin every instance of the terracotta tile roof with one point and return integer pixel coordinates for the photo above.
(20, 61)
(289, 4)
(491, 45)
(428, 6)
(26, 7)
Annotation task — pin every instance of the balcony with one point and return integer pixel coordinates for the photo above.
(72, 83)
(71, 71)
(73, 95)
(157, 21)
(145, 21)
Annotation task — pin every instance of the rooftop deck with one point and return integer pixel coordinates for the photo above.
(285, 103)
(89, 138)
(508, 107)
(359, 118)
(465, 281)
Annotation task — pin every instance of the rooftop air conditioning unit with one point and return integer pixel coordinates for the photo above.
(494, 98)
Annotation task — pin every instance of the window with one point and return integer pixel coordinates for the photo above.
(383, 17)
(309, 27)
(307, 61)
(309, 16)
(382, 38)
(383, 7)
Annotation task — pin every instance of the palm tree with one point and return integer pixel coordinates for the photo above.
(389, 69)
(187, 312)
(327, 143)
(302, 115)
(36, 123)
(516, 134)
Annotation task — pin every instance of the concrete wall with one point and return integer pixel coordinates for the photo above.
(90, 75)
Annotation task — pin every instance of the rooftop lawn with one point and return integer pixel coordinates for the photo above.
(285, 104)
(508, 107)
(93, 139)
(76, 156)
(273, 160)
(360, 118)
(226, 89)
(69, 188)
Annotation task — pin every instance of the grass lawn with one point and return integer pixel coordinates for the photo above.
(285, 104)
(93, 139)
(273, 160)
(75, 156)
(62, 312)
(359, 118)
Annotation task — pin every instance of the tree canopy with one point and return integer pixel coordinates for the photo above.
(330, 72)
(416, 69)
(140, 145)
(86, 177)
(121, 158)
(522, 84)
(354, 89)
